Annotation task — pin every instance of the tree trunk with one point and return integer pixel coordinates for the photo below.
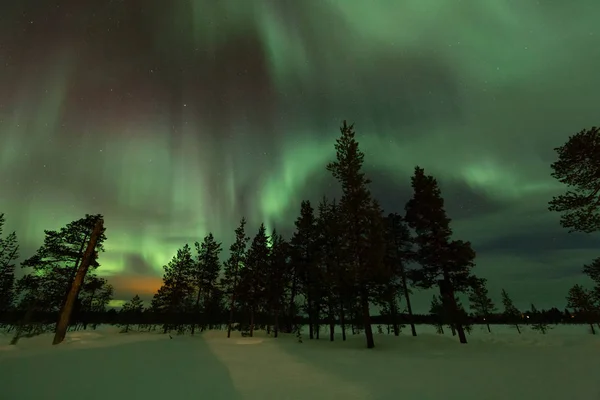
(408, 306)
(231, 311)
(489, 330)
(343, 320)
(331, 321)
(367, 322)
(196, 306)
(292, 309)
(447, 293)
(593, 330)
(251, 321)
(276, 323)
(65, 315)
(394, 316)
(518, 329)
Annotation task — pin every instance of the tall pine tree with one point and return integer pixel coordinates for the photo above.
(444, 263)
(363, 226)
(205, 275)
(232, 271)
(304, 259)
(175, 297)
(253, 276)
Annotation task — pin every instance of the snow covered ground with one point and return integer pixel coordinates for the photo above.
(104, 364)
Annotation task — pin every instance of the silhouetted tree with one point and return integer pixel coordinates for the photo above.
(444, 263)
(511, 312)
(9, 249)
(176, 294)
(253, 275)
(205, 276)
(481, 302)
(56, 262)
(578, 167)
(304, 259)
(277, 279)
(363, 238)
(398, 254)
(592, 270)
(538, 322)
(232, 271)
(582, 301)
(132, 311)
(437, 312)
(338, 282)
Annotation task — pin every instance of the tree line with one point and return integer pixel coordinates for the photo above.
(345, 258)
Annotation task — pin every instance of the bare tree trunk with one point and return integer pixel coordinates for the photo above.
(518, 329)
(447, 293)
(367, 322)
(331, 320)
(65, 315)
(408, 305)
(343, 320)
(251, 321)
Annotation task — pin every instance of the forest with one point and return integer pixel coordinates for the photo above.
(349, 267)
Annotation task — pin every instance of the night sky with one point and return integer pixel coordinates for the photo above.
(176, 118)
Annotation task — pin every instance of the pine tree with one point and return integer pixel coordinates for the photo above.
(481, 302)
(338, 282)
(253, 275)
(443, 262)
(232, 271)
(56, 262)
(277, 279)
(578, 167)
(582, 301)
(511, 312)
(398, 254)
(363, 226)
(592, 270)
(205, 275)
(132, 311)
(175, 296)
(9, 253)
(304, 253)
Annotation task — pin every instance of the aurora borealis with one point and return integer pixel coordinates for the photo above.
(173, 119)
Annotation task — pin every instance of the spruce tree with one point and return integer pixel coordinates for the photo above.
(253, 276)
(481, 302)
(363, 226)
(582, 301)
(304, 253)
(578, 167)
(443, 262)
(398, 255)
(277, 279)
(232, 271)
(338, 287)
(9, 253)
(511, 313)
(175, 296)
(205, 275)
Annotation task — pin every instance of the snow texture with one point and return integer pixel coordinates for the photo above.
(105, 364)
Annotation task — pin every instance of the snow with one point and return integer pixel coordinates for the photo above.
(106, 364)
